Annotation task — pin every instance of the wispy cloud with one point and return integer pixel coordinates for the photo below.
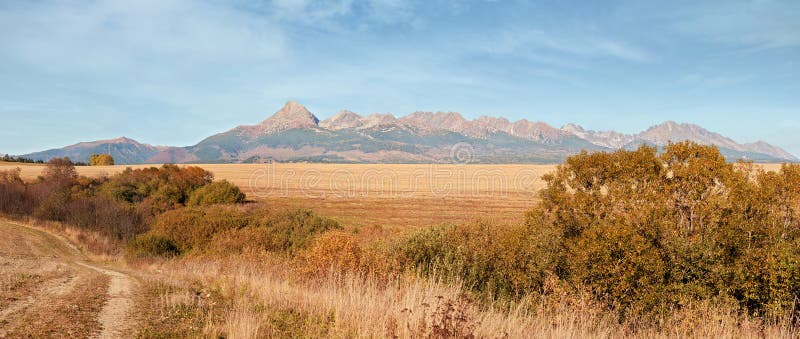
(524, 41)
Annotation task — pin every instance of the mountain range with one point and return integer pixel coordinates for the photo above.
(295, 134)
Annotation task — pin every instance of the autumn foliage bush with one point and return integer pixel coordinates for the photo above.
(645, 232)
(337, 250)
(651, 232)
(14, 199)
(218, 192)
(221, 229)
(498, 261)
(156, 189)
(101, 160)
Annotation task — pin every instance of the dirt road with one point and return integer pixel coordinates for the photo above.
(48, 288)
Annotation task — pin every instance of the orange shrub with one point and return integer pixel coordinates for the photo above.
(334, 250)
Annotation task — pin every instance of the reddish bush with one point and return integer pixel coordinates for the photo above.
(13, 194)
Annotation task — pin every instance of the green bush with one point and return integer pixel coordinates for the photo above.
(150, 245)
(233, 229)
(498, 261)
(218, 192)
(163, 188)
(293, 230)
(194, 227)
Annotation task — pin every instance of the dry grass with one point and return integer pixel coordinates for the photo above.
(44, 294)
(72, 315)
(266, 296)
(244, 297)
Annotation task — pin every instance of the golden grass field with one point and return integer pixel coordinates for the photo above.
(387, 195)
(370, 194)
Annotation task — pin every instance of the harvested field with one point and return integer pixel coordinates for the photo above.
(394, 196)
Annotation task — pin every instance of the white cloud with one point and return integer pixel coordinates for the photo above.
(105, 36)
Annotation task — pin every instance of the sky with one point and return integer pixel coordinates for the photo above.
(172, 72)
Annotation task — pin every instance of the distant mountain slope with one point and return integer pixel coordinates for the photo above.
(293, 133)
(124, 151)
(663, 133)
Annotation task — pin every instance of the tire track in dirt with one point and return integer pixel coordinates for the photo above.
(114, 317)
(115, 314)
(53, 288)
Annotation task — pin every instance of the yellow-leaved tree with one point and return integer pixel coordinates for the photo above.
(101, 160)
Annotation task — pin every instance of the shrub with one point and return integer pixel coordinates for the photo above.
(294, 230)
(150, 245)
(649, 232)
(60, 170)
(105, 216)
(228, 229)
(335, 250)
(218, 192)
(191, 228)
(164, 188)
(51, 193)
(499, 261)
(101, 160)
(13, 193)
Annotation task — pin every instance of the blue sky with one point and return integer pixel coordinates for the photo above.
(172, 72)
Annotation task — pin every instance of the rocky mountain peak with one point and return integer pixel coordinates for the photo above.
(765, 148)
(610, 139)
(493, 123)
(671, 131)
(537, 131)
(378, 119)
(342, 120)
(291, 116)
(295, 114)
(671, 125)
(573, 128)
(450, 121)
(122, 140)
